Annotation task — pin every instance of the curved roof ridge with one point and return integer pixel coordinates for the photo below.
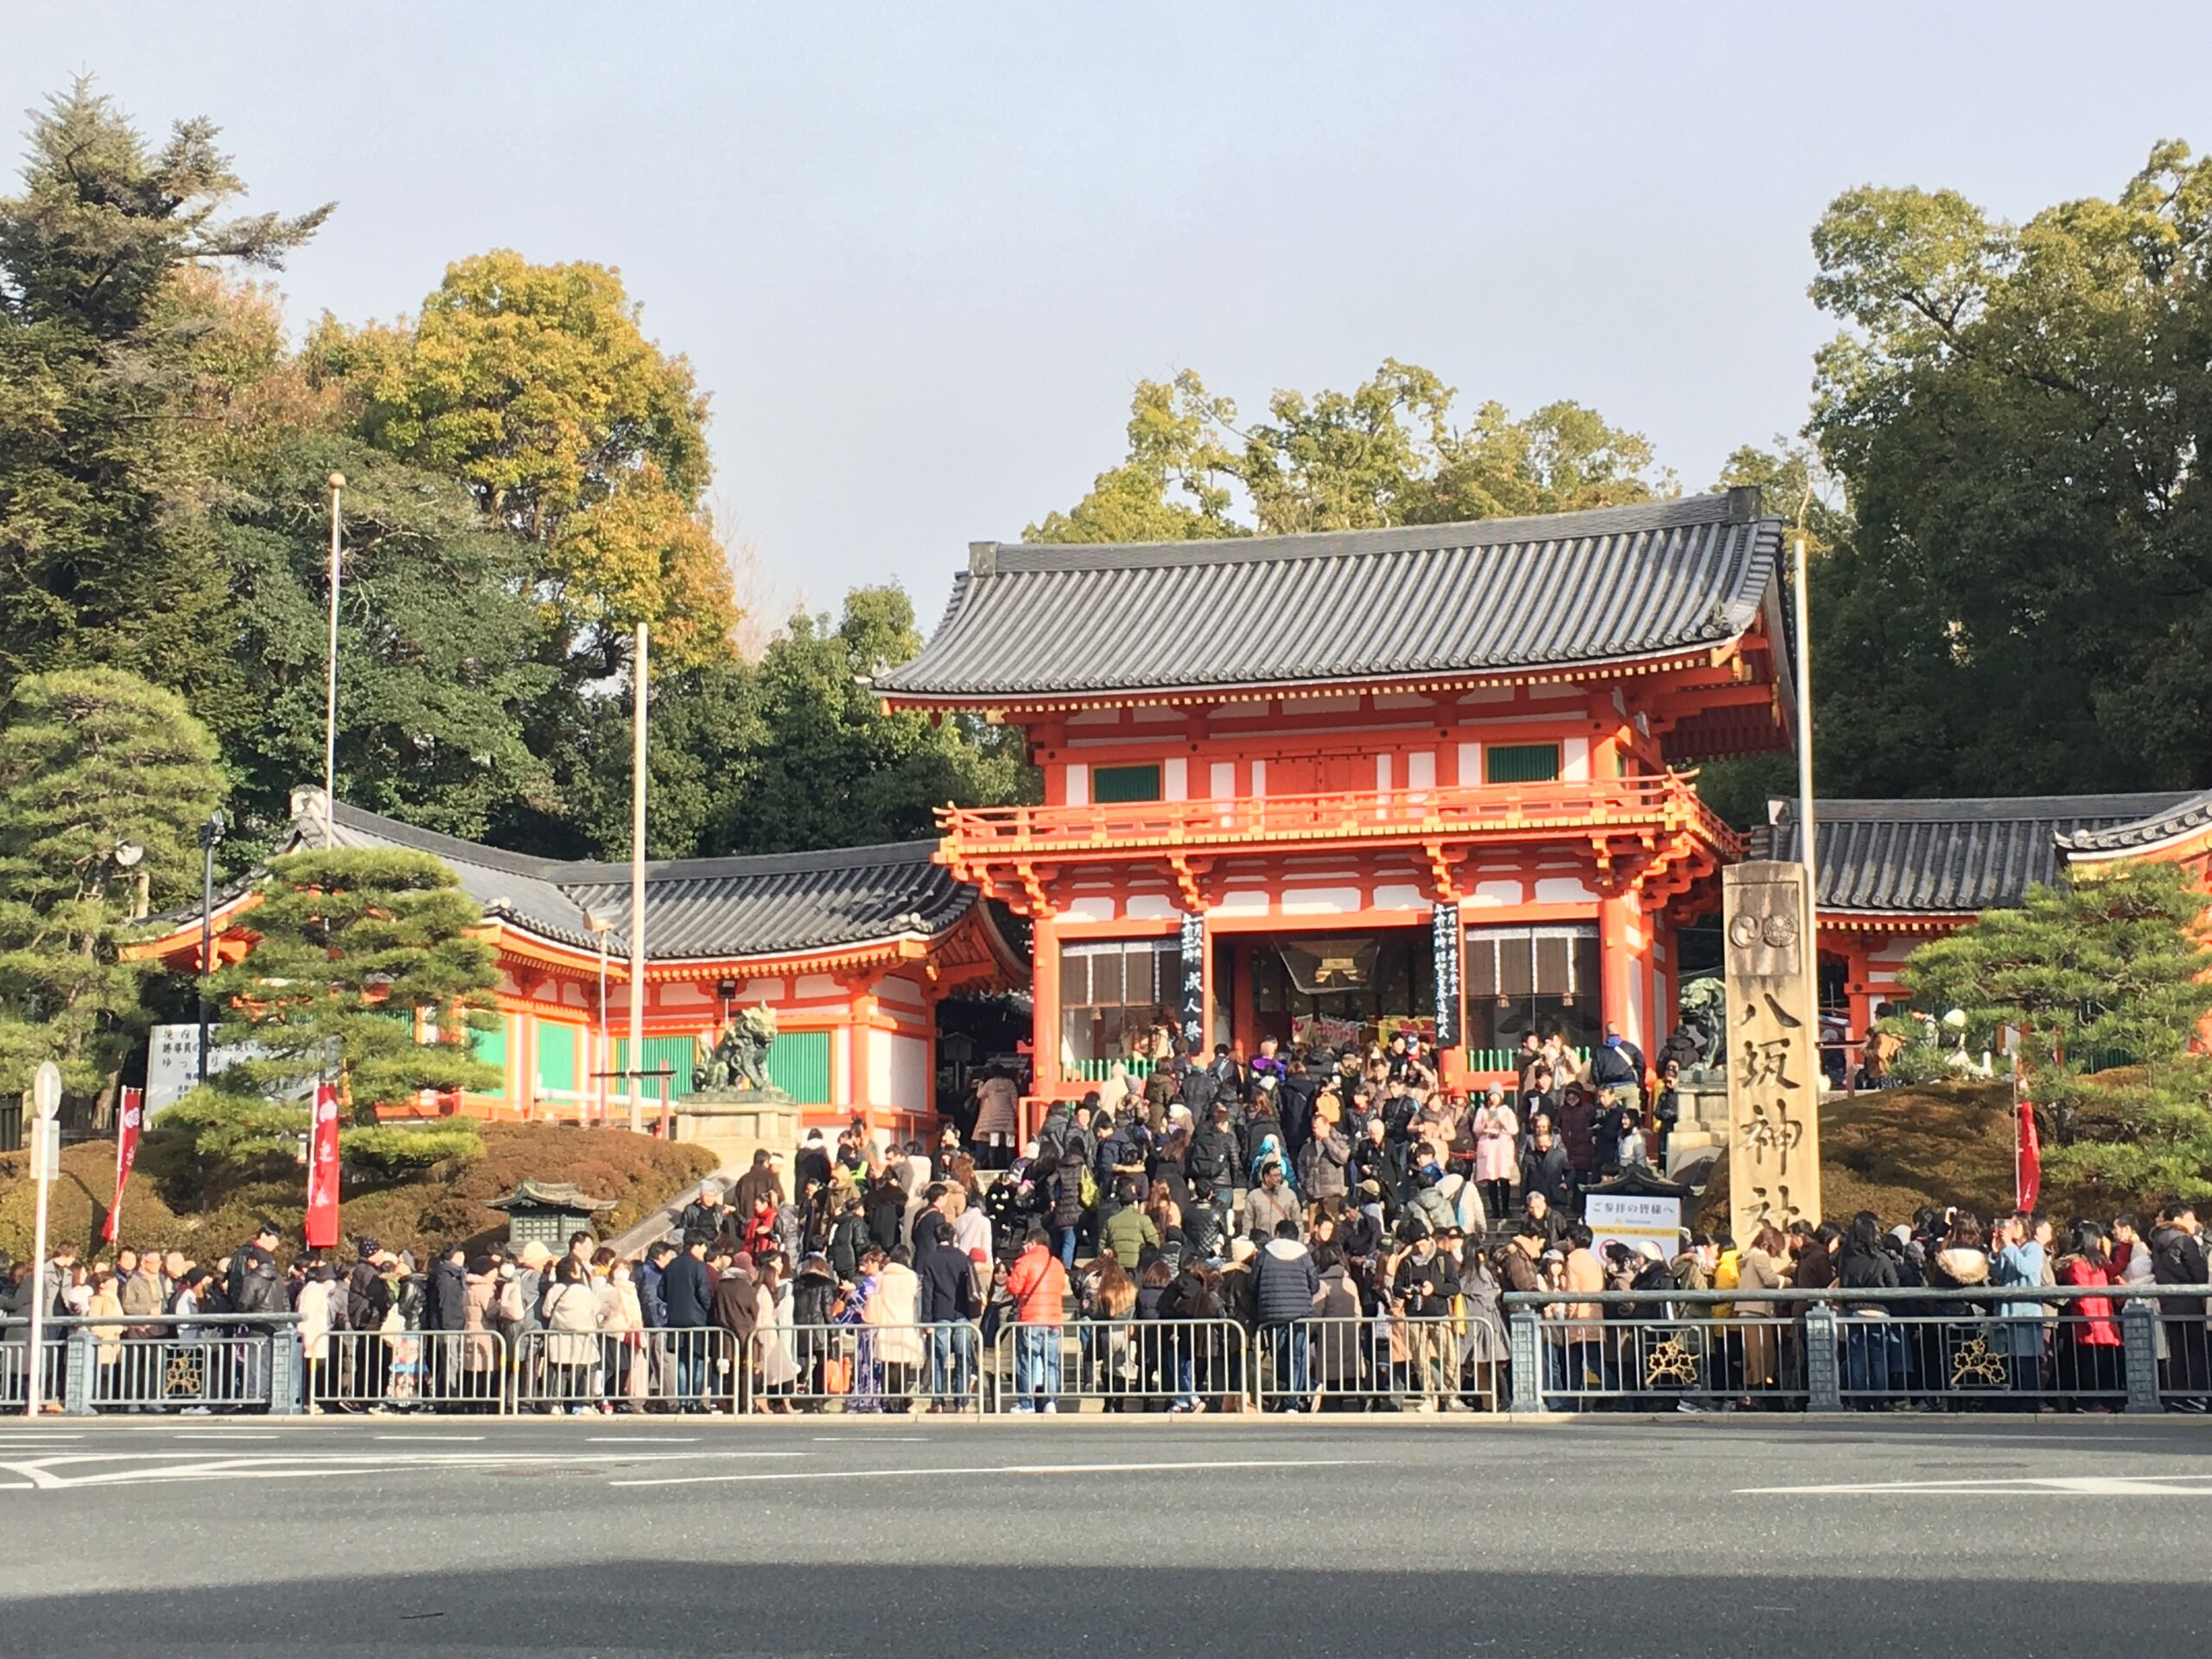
(1610, 585)
(2179, 817)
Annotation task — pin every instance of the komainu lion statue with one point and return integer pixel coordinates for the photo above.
(737, 1058)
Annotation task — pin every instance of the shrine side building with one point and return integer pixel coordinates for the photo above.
(853, 949)
(1318, 779)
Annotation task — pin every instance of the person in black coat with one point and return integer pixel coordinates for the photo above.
(1214, 1156)
(885, 1208)
(1067, 1201)
(814, 1307)
(947, 1303)
(445, 1302)
(688, 1287)
(848, 1240)
(2177, 1258)
(1546, 1170)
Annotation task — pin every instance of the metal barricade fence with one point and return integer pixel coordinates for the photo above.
(861, 1368)
(2016, 1347)
(1659, 1359)
(1974, 1361)
(686, 1369)
(407, 1370)
(1177, 1366)
(2181, 1349)
(15, 1366)
(206, 1364)
(1379, 1362)
(198, 1370)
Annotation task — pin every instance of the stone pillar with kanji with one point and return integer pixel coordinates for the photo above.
(1773, 1049)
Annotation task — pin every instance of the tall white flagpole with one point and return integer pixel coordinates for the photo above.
(639, 696)
(1804, 665)
(337, 481)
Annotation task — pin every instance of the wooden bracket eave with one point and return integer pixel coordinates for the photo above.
(1444, 865)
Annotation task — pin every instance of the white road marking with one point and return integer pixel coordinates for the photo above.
(875, 1439)
(432, 1440)
(643, 1440)
(148, 1467)
(2197, 1483)
(1013, 1468)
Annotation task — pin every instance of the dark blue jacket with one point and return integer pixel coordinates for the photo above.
(652, 1294)
(948, 1283)
(689, 1289)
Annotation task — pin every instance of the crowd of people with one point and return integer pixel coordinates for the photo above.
(1357, 1228)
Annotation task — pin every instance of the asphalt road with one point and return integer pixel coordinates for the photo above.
(911, 1539)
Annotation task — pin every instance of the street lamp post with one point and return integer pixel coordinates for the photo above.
(337, 482)
(211, 837)
(599, 926)
(46, 1164)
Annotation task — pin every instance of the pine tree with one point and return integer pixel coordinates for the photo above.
(103, 779)
(368, 968)
(2108, 968)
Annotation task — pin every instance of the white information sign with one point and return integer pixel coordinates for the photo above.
(1633, 1221)
(173, 1064)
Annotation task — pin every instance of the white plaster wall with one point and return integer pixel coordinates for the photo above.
(1320, 901)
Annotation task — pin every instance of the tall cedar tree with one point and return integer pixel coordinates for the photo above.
(92, 761)
(2112, 964)
(357, 945)
(105, 556)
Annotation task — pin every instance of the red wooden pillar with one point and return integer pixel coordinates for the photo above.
(1045, 995)
(1617, 916)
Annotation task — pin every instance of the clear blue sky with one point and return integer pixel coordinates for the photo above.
(920, 254)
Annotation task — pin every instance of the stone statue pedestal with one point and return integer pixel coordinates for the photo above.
(731, 1124)
(1702, 1133)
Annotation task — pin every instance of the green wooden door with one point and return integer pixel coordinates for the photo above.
(798, 1064)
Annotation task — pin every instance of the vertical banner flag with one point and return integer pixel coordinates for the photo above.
(1194, 980)
(2027, 1157)
(322, 1170)
(1444, 944)
(127, 1122)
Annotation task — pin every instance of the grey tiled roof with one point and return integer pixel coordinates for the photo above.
(775, 905)
(2180, 817)
(1613, 585)
(1945, 857)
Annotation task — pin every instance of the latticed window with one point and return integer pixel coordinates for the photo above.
(1520, 763)
(1109, 989)
(1111, 784)
(1523, 979)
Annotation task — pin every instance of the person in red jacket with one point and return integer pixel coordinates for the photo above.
(2087, 1350)
(1039, 1285)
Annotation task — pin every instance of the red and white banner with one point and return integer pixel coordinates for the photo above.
(322, 1170)
(2027, 1162)
(128, 1122)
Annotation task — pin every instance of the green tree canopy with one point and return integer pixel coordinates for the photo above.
(103, 779)
(536, 387)
(1386, 453)
(2019, 413)
(2111, 964)
(105, 556)
(367, 966)
(440, 644)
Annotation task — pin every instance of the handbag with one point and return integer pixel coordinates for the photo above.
(837, 1377)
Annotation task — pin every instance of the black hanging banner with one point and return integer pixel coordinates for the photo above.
(1444, 943)
(1194, 980)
